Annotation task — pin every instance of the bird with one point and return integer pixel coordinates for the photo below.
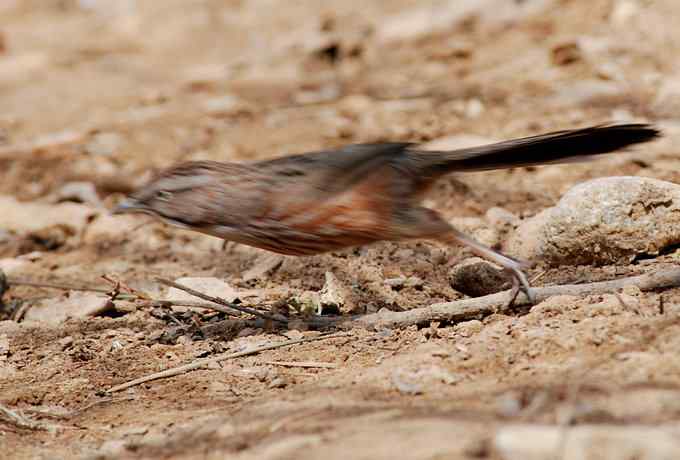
(354, 195)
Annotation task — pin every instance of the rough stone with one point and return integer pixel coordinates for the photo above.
(428, 19)
(538, 442)
(263, 266)
(586, 91)
(25, 217)
(477, 277)
(603, 221)
(74, 305)
(79, 192)
(478, 229)
(335, 296)
(500, 218)
(105, 144)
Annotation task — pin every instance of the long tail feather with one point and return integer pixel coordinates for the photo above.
(556, 147)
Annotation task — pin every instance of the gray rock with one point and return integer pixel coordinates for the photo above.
(75, 305)
(603, 221)
(355, 105)
(25, 217)
(4, 346)
(11, 266)
(11, 328)
(23, 67)
(325, 93)
(477, 228)
(140, 230)
(112, 448)
(501, 219)
(264, 265)
(396, 283)
(667, 101)
(623, 12)
(307, 303)
(65, 342)
(335, 296)
(402, 382)
(477, 277)
(4, 285)
(528, 442)
(105, 144)
(538, 442)
(226, 105)
(79, 192)
(585, 91)
(278, 382)
(427, 19)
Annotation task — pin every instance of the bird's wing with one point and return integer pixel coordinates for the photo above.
(321, 183)
(332, 171)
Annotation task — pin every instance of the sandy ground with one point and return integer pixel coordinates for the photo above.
(103, 93)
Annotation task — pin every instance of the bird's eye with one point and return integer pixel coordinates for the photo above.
(163, 195)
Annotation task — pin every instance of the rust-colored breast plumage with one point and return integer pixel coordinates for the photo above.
(302, 223)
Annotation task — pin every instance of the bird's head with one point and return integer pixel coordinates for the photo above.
(180, 195)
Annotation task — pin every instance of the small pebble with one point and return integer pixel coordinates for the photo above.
(278, 382)
(65, 342)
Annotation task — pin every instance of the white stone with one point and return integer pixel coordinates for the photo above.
(604, 220)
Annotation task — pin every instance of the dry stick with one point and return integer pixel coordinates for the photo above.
(185, 303)
(192, 304)
(134, 294)
(64, 286)
(309, 364)
(19, 420)
(118, 284)
(205, 362)
(223, 302)
(477, 307)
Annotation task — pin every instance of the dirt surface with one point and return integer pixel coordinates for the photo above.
(99, 94)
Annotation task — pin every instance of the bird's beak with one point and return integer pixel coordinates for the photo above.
(128, 205)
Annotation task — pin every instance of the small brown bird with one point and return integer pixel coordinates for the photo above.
(323, 201)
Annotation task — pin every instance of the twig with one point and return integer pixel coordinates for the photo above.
(115, 292)
(477, 307)
(309, 364)
(63, 286)
(624, 305)
(205, 362)
(222, 302)
(188, 303)
(20, 312)
(118, 284)
(69, 414)
(183, 303)
(19, 420)
(538, 277)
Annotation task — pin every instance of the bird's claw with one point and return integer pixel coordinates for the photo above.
(520, 283)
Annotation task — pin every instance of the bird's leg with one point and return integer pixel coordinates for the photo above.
(513, 267)
(418, 222)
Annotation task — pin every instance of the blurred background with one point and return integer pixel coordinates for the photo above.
(95, 95)
(132, 84)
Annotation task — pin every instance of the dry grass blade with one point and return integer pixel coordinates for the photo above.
(222, 302)
(63, 286)
(308, 364)
(205, 362)
(186, 303)
(118, 284)
(19, 420)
